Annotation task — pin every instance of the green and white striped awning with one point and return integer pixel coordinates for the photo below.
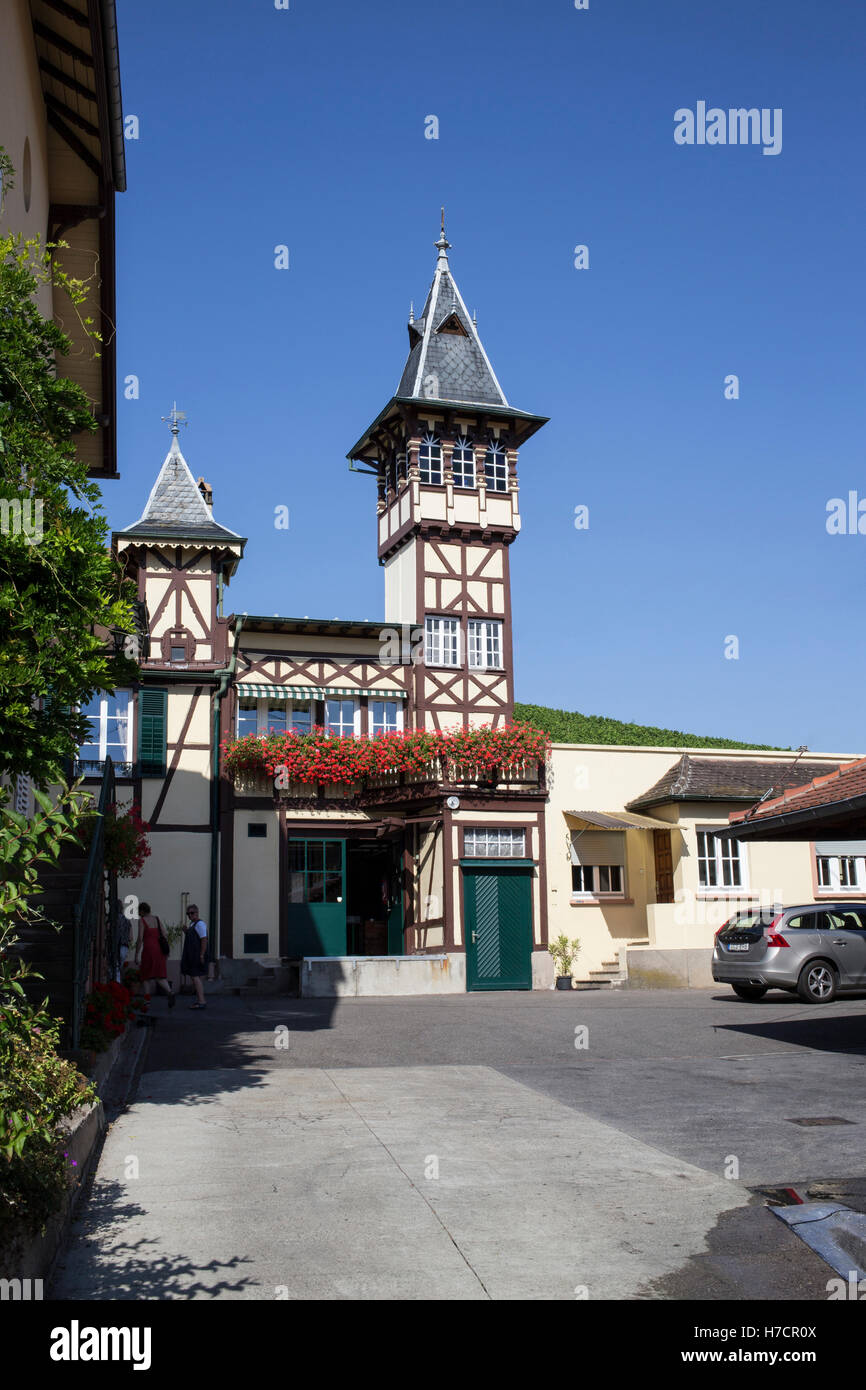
(249, 691)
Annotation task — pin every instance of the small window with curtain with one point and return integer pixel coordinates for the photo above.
(597, 864)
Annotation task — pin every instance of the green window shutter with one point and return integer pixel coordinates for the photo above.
(152, 731)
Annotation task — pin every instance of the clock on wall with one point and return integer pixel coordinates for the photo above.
(453, 803)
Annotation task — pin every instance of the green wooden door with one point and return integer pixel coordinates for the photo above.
(498, 916)
(316, 908)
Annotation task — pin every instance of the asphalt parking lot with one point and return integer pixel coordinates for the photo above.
(477, 1146)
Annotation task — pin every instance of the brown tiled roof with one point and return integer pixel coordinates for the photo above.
(724, 779)
(827, 789)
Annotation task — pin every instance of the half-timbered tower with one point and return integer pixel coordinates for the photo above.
(444, 452)
(166, 731)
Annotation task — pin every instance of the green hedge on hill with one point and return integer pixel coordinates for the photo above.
(568, 726)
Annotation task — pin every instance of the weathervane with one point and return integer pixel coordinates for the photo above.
(175, 419)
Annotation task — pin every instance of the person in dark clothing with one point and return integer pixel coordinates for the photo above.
(193, 962)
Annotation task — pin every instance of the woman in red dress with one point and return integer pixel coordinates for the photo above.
(152, 967)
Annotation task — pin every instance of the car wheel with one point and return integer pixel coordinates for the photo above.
(749, 991)
(817, 983)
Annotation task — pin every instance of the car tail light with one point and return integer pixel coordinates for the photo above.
(774, 939)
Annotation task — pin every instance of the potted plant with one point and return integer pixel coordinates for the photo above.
(564, 953)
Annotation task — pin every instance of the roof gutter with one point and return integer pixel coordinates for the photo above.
(115, 98)
(763, 828)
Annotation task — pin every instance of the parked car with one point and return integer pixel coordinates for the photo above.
(816, 950)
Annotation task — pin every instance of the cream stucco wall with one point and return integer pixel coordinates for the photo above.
(179, 863)
(256, 881)
(594, 777)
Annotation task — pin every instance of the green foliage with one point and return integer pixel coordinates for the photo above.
(566, 726)
(564, 953)
(37, 1087)
(58, 582)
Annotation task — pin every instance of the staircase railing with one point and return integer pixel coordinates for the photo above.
(95, 909)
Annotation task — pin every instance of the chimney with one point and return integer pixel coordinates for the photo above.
(206, 491)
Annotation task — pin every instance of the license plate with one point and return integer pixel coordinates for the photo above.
(739, 946)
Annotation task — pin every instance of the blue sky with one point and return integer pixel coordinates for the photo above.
(707, 516)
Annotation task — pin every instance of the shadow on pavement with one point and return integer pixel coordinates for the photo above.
(819, 1031)
(231, 1034)
(137, 1269)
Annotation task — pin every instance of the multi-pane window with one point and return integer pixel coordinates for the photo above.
(385, 716)
(340, 718)
(495, 468)
(719, 862)
(265, 716)
(494, 843)
(463, 464)
(315, 871)
(442, 642)
(110, 734)
(485, 644)
(430, 459)
(839, 871)
(596, 878)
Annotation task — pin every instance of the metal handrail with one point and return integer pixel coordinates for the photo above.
(91, 904)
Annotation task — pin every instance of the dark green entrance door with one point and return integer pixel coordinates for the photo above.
(497, 896)
(316, 908)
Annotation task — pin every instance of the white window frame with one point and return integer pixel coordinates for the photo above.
(354, 724)
(484, 642)
(595, 890)
(103, 727)
(464, 447)
(385, 727)
(496, 467)
(834, 873)
(494, 842)
(727, 849)
(442, 638)
(430, 460)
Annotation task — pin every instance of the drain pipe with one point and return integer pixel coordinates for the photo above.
(225, 676)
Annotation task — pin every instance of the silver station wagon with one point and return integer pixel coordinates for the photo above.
(817, 950)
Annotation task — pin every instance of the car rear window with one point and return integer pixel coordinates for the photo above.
(754, 920)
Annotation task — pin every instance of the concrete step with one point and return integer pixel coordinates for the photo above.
(593, 984)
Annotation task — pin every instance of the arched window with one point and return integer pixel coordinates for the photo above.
(496, 468)
(430, 459)
(463, 464)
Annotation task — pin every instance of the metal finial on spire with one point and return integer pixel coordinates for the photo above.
(175, 419)
(443, 243)
(411, 311)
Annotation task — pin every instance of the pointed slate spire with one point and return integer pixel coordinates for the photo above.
(447, 361)
(176, 508)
